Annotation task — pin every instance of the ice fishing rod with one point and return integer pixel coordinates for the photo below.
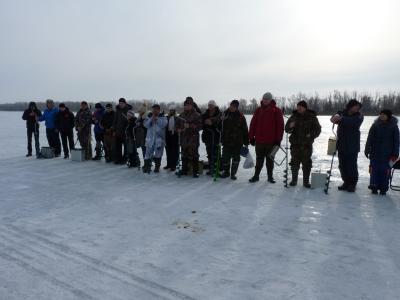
(286, 171)
(179, 163)
(329, 173)
(218, 167)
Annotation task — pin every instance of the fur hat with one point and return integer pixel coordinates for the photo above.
(267, 96)
(352, 103)
(212, 102)
(188, 101)
(387, 112)
(303, 103)
(235, 103)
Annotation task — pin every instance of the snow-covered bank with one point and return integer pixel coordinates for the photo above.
(97, 231)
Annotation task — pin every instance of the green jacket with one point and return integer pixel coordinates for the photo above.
(305, 130)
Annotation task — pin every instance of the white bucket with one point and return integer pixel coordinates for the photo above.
(77, 155)
(318, 180)
(332, 145)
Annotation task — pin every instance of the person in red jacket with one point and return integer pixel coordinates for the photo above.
(266, 131)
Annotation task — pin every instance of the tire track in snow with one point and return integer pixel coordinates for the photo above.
(106, 269)
(41, 261)
(44, 275)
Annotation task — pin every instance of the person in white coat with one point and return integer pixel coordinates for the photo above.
(155, 139)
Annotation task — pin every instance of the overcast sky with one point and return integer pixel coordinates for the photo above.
(209, 49)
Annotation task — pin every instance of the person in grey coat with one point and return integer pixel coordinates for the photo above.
(155, 139)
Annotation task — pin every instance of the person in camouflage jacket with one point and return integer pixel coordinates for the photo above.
(304, 128)
(189, 123)
(83, 124)
(234, 136)
(211, 133)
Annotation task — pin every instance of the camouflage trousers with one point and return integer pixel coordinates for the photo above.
(230, 153)
(85, 140)
(301, 154)
(190, 154)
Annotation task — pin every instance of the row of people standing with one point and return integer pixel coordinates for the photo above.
(180, 135)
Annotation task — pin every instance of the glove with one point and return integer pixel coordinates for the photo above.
(366, 154)
(253, 142)
(393, 158)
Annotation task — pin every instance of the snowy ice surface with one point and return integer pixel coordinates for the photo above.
(98, 231)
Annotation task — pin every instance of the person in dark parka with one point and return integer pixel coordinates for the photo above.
(98, 129)
(107, 123)
(119, 127)
(304, 128)
(32, 127)
(211, 133)
(382, 147)
(131, 148)
(234, 136)
(348, 143)
(171, 140)
(65, 124)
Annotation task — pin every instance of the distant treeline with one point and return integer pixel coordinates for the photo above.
(327, 105)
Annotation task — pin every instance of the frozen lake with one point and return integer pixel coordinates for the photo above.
(97, 231)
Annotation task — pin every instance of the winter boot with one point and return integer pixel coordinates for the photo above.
(374, 190)
(295, 174)
(270, 176)
(157, 162)
(147, 166)
(226, 172)
(306, 179)
(195, 168)
(352, 183)
(383, 193)
(234, 168)
(256, 176)
(29, 154)
(344, 186)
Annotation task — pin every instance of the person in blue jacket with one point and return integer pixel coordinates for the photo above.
(348, 143)
(52, 133)
(98, 129)
(382, 146)
(155, 139)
